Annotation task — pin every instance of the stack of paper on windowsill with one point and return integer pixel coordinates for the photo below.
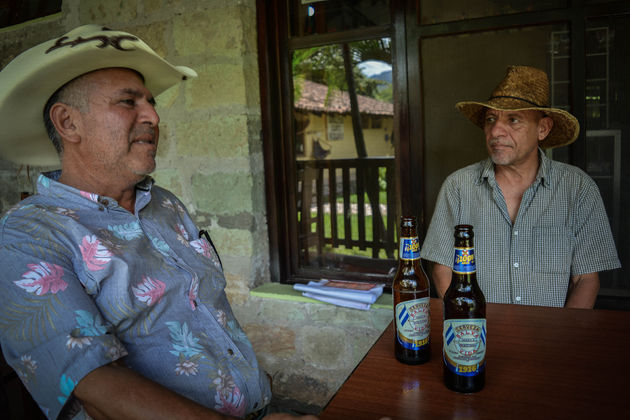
(342, 293)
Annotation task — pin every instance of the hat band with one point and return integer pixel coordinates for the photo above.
(520, 99)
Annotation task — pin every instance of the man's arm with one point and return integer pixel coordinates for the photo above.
(583, 291)
(117, 392)
(441, 278)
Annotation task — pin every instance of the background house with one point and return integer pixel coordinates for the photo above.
(326, 124)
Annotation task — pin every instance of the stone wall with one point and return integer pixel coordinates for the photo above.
(211, 157)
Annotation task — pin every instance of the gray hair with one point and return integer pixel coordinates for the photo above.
(74, 93)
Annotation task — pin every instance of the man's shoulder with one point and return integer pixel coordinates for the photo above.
(166, 198)
(564, 173)
(160, 192)
(467, 173)
(28, 212)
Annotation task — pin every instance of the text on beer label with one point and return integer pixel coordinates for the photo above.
(464, 348)
(413, 323)
(464, 262)
(409, 248)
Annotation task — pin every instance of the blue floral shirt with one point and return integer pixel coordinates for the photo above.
(84, 282)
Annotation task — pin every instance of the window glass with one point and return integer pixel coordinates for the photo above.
(310, 17)
(13, 12)
(608, 131)
(433, 11)
(470, 67)
(344, 155)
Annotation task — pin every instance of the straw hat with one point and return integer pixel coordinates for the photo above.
(526, 88)
(32, 77)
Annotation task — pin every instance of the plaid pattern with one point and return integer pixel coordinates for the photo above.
(561, 230)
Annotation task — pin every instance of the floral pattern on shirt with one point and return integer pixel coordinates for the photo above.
(95, 255)
(42, 278)
(149, 291)
(228, 397)
(87, 285)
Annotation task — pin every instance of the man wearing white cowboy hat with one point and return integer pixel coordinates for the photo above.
(112, 304)
(541, 231)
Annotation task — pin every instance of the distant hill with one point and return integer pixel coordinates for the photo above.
(385, 76)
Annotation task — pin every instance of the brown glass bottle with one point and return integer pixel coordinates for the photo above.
(412, 320)
(464, 332)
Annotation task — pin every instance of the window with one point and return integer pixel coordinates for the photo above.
(13, 12)
(338, 191)
(439, 53)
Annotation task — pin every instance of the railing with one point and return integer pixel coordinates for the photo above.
(323, 183)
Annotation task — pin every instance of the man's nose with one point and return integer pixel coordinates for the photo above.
(148, 114)
(497, 129)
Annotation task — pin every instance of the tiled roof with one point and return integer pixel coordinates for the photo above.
(313, 98)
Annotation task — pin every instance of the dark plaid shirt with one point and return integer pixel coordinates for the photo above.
(561, 230)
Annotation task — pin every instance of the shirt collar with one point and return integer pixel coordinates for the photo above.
(48, 184)
(486, 170)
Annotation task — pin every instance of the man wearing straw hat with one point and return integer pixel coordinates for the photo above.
(541, 231)
(112, 304)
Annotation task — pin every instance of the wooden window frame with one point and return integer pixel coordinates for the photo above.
(406, 34)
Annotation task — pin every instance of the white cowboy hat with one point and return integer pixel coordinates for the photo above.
(29, 80)
(526, 88)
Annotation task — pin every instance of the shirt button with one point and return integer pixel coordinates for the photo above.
(518, 298)
(516, 265)
(231, 352)
(516, 232)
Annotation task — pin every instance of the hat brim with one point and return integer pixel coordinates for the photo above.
(31, 78)
(565, 130)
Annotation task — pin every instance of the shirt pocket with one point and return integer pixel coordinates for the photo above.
(552, 249)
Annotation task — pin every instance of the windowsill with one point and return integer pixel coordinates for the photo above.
(287, 292)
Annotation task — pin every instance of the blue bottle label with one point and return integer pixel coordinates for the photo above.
(464, 261)
(465, 346)
(413, 323)
(409, 248)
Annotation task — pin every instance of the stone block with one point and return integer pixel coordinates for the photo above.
(166, 100)
(152, 6)
(223, 193)
(219, 85)
(216, 31)
(275, 340)
(238, 221)
(236, 289)
(154, 35)
(300, 386)
(221, 136)
(108, 12)
(324, 347)
(163, 143)
(169, 179)
(282, 313)
(233, 242)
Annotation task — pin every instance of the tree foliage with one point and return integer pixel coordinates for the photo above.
(325, 65)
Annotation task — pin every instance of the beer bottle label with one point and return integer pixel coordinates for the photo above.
(409, 248)
(464, 261)
(413, 323)
(465, 346)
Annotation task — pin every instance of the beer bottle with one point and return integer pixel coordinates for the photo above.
(411, 300)
(464, 330)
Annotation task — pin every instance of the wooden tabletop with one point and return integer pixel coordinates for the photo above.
(542, 363)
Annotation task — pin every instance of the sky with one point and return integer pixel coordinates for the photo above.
(371, 67)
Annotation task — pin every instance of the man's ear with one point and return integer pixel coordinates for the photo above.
(66, 121)
(544, 127)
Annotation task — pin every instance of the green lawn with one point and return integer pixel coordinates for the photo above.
(354, 223)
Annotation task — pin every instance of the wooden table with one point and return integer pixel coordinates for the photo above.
(542, 363)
